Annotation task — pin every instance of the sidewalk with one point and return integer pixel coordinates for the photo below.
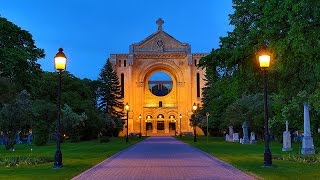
(162, 158)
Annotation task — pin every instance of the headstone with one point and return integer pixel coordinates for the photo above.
(231, 133)
(235, 137)
(245, 133)
(307, 141)
(227, 137)
(252, 138)
(18, 141)
(286, 139)
(29, 140)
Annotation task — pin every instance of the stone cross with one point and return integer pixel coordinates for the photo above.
(287, 124)
(159, 22)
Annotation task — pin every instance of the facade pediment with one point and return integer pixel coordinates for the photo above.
(160, 42)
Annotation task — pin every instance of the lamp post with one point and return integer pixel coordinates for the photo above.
(194, 108)
(146, 127)
(207, 114)
(127, 107)
(180, 125)
(264, 60)
(60, 61)
(140, 126)
(175, 127)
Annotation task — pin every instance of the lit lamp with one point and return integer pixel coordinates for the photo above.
(60, 61)
(180, 126)
(264, 58)
(194, 108)
(127, 107)
(140, 126)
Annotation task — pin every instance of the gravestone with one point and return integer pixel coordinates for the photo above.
(235, 137)
(227, 138)
(230, 133)
(245, 133)
(18, 141)
(307, 141)
(286, 139)
(252, 138)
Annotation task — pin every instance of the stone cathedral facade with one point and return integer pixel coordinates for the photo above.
(156, 105)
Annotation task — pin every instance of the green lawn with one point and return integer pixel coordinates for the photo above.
(249, 158)
(77, 157)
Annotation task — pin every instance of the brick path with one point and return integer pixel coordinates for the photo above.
(162, 158)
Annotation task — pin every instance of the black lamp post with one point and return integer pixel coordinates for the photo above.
(194, 108)
(175, 127)
(180, 126)
(127, 107)
(140, 126)
(60, 61)
(264, 60)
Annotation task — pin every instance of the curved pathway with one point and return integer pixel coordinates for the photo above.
(162, 158)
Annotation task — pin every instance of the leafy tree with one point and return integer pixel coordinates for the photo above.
(291, 31)
(14, 117)
(109, 92)
(44, 119)
(72, 122)
(18, 55)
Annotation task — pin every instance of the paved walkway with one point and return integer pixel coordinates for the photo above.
(162, 158)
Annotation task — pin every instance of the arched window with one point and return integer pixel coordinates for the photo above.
(122, 85)
(198, 85)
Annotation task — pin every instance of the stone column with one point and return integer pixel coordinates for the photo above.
(307, 141)
(154, 126)
(245, 133)
(166, 126)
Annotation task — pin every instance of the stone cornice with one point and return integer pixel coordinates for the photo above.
(161, 56)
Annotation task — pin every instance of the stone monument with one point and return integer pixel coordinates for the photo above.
(235, 137)
(227, 138)
(286, 139)
(252, 138)
(245, 133)
(230, 133)
(307, 141)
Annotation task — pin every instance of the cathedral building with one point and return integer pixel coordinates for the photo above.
(160, 82)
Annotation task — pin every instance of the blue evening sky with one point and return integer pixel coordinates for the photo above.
(89, 31)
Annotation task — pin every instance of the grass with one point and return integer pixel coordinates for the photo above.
(249, 158)
(76, 158)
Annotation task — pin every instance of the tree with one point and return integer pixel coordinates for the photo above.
(290, 29)
(43, 123)
(109, 92)
(15, 117)
(71, 123)
(18, 55)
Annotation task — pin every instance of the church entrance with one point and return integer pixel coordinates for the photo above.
(160, 126)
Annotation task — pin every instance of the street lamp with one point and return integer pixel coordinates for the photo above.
(140, 126)
(60, 61)
(207, 114)
(264, 58)
(127, 107)
(180, 126)
(175, 127)
(194, 108)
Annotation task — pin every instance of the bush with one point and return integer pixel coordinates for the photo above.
(23, 161)
(104, 139)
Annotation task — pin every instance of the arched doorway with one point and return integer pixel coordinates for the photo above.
(160, 123)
